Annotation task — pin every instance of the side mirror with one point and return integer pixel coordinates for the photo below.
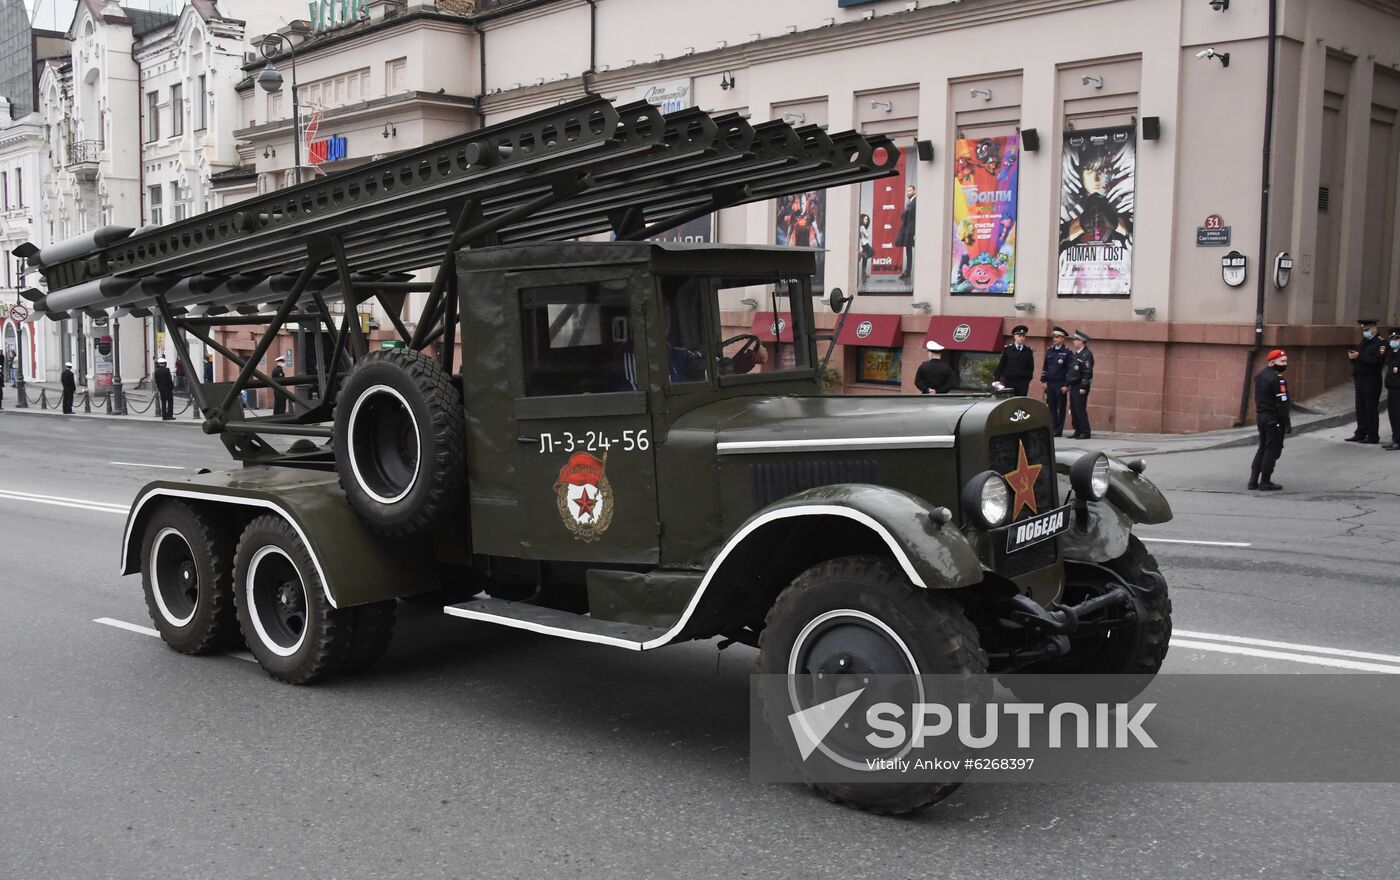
(838, 300)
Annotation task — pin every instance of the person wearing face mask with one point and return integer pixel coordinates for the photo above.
(1392, 388)
(1367, 361)
(1271, 405)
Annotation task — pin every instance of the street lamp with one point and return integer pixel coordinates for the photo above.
(271, 81)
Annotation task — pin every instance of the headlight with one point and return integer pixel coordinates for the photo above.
(1089, 476)
(987, 499)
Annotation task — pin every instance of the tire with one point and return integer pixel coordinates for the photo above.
(896, 628)
(371, 628)
(187, 577)
(400, 441)
(287, 621)
(1137, 649)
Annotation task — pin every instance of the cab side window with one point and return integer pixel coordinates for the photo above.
(577, 339)
(683, 311)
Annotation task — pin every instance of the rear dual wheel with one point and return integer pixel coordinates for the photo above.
(187, 578)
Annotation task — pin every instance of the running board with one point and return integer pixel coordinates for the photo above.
(564, 624)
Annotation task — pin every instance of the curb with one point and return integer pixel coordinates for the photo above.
(180, 420)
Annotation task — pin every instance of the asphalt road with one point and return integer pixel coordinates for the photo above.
(473, 751)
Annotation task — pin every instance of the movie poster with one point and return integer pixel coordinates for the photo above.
(697, 231)
(984, 215)
(885, 230)
(801, 222)
(1096, 212)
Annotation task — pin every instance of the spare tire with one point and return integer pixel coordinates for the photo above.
(400, 441)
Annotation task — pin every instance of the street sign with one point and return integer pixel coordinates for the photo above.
(1213, 233)
(18, 313)
(391, 343)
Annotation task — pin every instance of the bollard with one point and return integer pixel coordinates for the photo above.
(24, 399)
(87, 403)
(108, 399)
(43, 398)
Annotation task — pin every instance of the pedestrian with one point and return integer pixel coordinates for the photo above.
(1017, 364)
(208, 368)
(1079, 379)
(179, 374)
(1271, 415)
(1053, 373)
(165, 387)
(70, 385)
(1392, 388)
(1367, 361)
(934, 376)
(279, 400)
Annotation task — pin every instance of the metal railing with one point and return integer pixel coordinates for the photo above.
(84, 152)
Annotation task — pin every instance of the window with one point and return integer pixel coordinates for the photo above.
(788, 334)
(577, 339)
(179, 211)
(880, 366)
(19, 187)
(155, 208)
(177, 111)
(152, 116)
(395, 76)
(4, 190)
(5, 255)
(683, 311)
(201, 112)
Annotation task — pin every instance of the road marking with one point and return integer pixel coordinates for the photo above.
(1202, 543)
(1288, 646)
(59, 501)
(168, 467)
(1335, 663)
(147, 631)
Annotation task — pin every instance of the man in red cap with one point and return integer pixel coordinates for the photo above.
(1271, 403)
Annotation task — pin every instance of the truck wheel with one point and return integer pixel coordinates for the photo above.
(1136, 648)
(371, 628)
(857, 616)
(187, 576)
(400, 441)
(288, 622)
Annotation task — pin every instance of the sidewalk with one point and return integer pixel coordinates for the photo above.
(139, 404)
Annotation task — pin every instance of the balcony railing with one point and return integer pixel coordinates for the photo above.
(84, 152)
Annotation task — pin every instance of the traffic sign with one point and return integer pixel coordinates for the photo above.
(18, 313)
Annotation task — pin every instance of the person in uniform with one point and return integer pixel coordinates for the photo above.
(1053, 372)
(165, 387)
(934, 376)
(1367, 359)
(70, 385)
(1392, 388)
(1271, 414)
(1017, 364)
(208, 368)
(1079, 379)
(279, 401)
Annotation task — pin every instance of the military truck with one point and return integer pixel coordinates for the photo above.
(606, 464)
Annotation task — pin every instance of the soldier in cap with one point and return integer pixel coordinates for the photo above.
(279, 401)
(1079, 380)
(1017, 364)
(70, 385)
(1392, 388)
(1271, 412)
(934, 376)
(1053, 372)
(165, 387)
(1367, 361)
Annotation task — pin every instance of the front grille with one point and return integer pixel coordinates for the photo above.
(1003, 456)
(775, 480)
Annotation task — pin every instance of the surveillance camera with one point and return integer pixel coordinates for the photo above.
(1206, 53)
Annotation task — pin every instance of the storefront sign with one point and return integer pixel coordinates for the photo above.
(984, 215)
(1097, 209)
(328, 149)
(102, 372)
(668, 96)
(1213, 233)
(327, 15)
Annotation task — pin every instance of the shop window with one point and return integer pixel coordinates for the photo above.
(974, 369)
(880, 366)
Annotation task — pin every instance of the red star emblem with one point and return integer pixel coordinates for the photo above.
(586, 503)
(1022, 482)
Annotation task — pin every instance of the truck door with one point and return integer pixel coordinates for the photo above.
(585, 460)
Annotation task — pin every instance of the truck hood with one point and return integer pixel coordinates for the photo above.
(760, 424)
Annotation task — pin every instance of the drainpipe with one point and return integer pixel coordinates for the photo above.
(592, 48)
(481, 90)
(1266, 169)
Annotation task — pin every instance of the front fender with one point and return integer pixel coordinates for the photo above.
(1134, 494)
(932, 556)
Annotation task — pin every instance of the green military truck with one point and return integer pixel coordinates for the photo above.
(605, 464)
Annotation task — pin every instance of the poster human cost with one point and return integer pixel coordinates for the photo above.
(1098, 174)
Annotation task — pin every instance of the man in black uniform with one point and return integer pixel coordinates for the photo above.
(70, 385)
(1271, 404)
(1017, 364)
(279, 403)
(1392, 388)
(1367, 359)
(165, 386)
(1053, 373)
(1079, 379)
(934, 376)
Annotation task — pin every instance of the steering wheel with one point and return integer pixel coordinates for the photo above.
(750, 343)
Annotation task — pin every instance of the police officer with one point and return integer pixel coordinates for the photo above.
(1017, 364)
(1053, 373)
(934, 376)
(1079, 379)
(165, 386)
(1271, 406)
(279, 401)
(70, 385)
(1392, 388)
(1367, 359)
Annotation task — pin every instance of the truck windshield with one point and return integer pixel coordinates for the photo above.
(776, 341)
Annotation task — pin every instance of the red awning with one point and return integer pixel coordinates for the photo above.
(772, 327)
(965, 333)
(876, 331)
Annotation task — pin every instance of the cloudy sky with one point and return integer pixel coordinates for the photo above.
(55, 15)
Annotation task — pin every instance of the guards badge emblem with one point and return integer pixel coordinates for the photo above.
(584, 496)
